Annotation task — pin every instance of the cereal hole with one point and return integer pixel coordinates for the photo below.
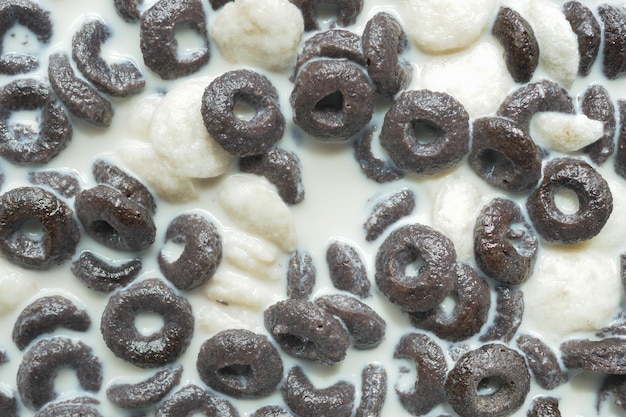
(326, 13)
(103, 228)
(566, 200)
(236, 374)
(20, 40)
(516, 233)
(32, 229)
(244, 111)
(66, 380)
(172, 250)
(148, 323)
(332, 104)
(449, 303)
(489, 386)
(494, 162)
(190, 43)
(295, 342)
(425, 131)
(416, 266)
(25, 124)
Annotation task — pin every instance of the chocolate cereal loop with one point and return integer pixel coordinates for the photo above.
(509, 312)
(301, 275)
(604, 355)
(64, 182)
(373, 391)
(374, 168)
(588, 32)
(147, 392)
(334, 43)
(597, 105)
(191, 399)
(100, 274)
(75, 407)
(387, 211)
(613, 18)
(346, 269)
(107, 173)
(347, 14)
(542, 361)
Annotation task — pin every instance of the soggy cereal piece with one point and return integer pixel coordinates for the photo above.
(109, 174)
(431, 367)
(80, 98)
(446, 26)
(346, 269)
(383, 41)
(307, 331)
(33, 207)
(271, 411)
(254, 255)
(517, 37)
(75, 407)
(240, 363)
(543, 363)
(281, 168)
(613, 18)
(620, 155)
(25, 143)
(35, 19)
(305, 400)
(588, 32)
(8, 404)
(64, 181)
(373, 391)
(347, 13)
(258, 209)
(333, 43)
(365, 326)
(388, 211)
(595, 202)
(596, 104)
(301, 275)
(544, 407)
(415, 267)
(423, 115)
(332, 99)
(201, 255)
(616, 385)
(191, 399)
(604, 355)
(159, 46)
(491, 361)
(147, 392)
(267, 37)
(233, 289)
(509, 312)
(470, 312)
(41, 364)
(373, 167)
(566, 133)
(505, 246)
(45, 315)
(100, 274)
(128, 9)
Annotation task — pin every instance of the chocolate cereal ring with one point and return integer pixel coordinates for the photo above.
(542, 362)
(147, 392)
(64, 182)
(595, 202)
(597, 105)
(383, 40)
(160, 348)
(119, 79)
(604, 355)
(301, 275)
(35, 19)
(8, 405)
(491, 361)
(201, 255)
(240, 363)
(373, 391)
(41, 364)
(509, 312)
(23, 143)
(387, 211)
(504, 155)
(588, 32)
(75, 407)
(44, 315)
(620, 154)
(128, 9)
(414, 117)
(431, 283)
(158, 44)
(333, 43)
(613, 18)
(373, 167)
(348, 11)
(109, 174)
(243, 137)
(346, 269)
(192, 399)
(100, 274)
(24, 207)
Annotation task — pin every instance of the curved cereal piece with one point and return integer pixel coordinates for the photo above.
(588, 31)
(520, 45)
(147, 392)
(509, 311)
(597, 105)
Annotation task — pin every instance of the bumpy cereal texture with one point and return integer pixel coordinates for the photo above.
(375, 168)
(615, 385)
(147, 392)
(373, 391)
(107, 173)
(128, 9)
(301, 275)
(333, 43)
(271, 411)
(520, 45)
(346, 269)
(99, 274)
(604, 355)
(387, 211)
(587, 30)
(190, 399)
(613, 18)
(65, 182)
(509, 312)
(75, 407)
(597, 105)
(542, 361)
(348, 12)
(544, 407)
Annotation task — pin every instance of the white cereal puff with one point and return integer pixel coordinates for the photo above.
(215, 317)
(446, 25)
(253, 255)
(566, 132)
(237, 289)
(178, 134)
(15, 287)
(263, 33)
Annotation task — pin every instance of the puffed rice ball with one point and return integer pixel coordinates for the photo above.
(566, 132)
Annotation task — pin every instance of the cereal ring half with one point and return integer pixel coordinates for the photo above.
(301, 275)
(426, 132)
(25, 208)
(148, 296)
(346, 269)
(23, 143)
(509, 312)
(373, 391)
(147, 392)
(100, 275)
(604, 355)
(614, 20)
(597, 105)
(63, 181)
(192, 399)
(587, 30)
(347, 14)
(432, 281)
(237, 136)
(373, 167)
(387, 211)
(158, 44)
(595, 202)
(543, 363)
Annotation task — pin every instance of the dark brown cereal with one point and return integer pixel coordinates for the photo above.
(281, 168)
(159, 45)
(373, 167)
(8, 405)
(346, 269)
(147, 392)
(373, 391)
(147, 351)
(509, 312)
(332, 99)
(520, 45)
(115, 220)
(76, 407)
(218, 4)
(301, 275)
(470, 313)
(44, 315)
(271, 411)
(109, 174)
(491, 362)
(595, 202)
(128, 9)
(604, 355)
(588, 32)
(431, 282)
(240, 363)
(28, 14)
(25, 207)
(119, 79)
(597, 105)
(613, 18)
(364, 325)
(334, 43)
(543, 363)
(348, 11)
(202, 252)
(504, 155)
(387, 211)
(383, 40)
(191, 399)
(307, 401)
(426, 132)
(505, 246)
(544, 407)
(100, 274)
(25, 144)
(63, 181)
(237, 136)
(620, 154)
(618, 325)
(41, 364)
(80, 98)
(616, 385)
(307, 331)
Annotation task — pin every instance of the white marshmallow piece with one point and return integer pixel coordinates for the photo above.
(263, 33)
(565, 132)
(15, 287)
